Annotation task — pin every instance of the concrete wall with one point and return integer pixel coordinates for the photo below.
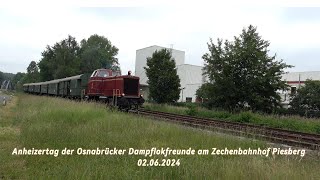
(190, 75)
(294, 76)
(296, 80)
(141, 60)
(190, 79)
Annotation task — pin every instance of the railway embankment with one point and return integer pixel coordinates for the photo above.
(293, 123)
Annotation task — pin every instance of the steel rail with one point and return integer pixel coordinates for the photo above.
(293, 138)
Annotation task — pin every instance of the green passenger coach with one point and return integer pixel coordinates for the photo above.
(71, 87)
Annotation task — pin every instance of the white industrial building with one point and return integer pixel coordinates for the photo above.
(191, 77)
(296, 80)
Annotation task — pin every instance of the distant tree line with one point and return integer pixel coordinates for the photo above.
(5, 76)
(68, 58)
(1, 77)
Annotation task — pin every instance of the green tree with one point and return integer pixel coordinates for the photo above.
(18, 80)
(204, 94)
(1, 77)
(242, 73)
(98, 52)
(164, 83)
(61, 60)
(47, 64)
(32, 73)
(307, 98)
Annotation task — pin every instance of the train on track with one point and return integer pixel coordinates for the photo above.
(104, 85)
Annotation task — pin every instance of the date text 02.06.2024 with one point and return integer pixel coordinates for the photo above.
(158, 162)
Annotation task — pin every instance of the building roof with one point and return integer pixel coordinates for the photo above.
(156, 46)
(301, 76)
(190, 65)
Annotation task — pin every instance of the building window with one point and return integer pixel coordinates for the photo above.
(188, 99)
(293, 90)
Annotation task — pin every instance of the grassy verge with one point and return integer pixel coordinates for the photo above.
(9, 139)
(295, 123)
(42, 122)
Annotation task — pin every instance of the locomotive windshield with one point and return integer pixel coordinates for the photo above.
(103, 73)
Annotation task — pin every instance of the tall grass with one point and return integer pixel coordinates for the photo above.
(57, 123)
(294, 123)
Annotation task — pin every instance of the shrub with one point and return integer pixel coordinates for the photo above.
(245, 117)
(192, 110)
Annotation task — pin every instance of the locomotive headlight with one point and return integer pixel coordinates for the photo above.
(122, 94)
(141, 95)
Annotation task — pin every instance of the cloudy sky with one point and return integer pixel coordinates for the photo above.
(25, 31)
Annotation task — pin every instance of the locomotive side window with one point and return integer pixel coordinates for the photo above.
(93, 74)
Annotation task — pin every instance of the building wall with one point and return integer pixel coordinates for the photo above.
(190, 75)
(144, 53)
(190, 79)
(296, 80)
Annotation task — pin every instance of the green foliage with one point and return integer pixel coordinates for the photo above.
(192, 110)
(47, 64)
(204, 93)
(164, 83)
(55, 123)
(67, 58)
(8, 76)
(317, 128)
(61, 60)
(307, 98)
(1, 77)
(245, 117)
(98, 52)
(33, 74)
(285, 122)
(18, 80)
(18, 77)
(242, 74)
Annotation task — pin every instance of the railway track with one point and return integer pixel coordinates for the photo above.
(292, 138)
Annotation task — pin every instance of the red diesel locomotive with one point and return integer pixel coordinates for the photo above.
(114, 88)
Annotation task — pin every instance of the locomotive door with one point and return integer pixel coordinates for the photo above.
(99, 85)
(68, 88)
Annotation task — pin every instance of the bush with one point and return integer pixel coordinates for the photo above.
(192, 110)
(245, 117)
(317, 128)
